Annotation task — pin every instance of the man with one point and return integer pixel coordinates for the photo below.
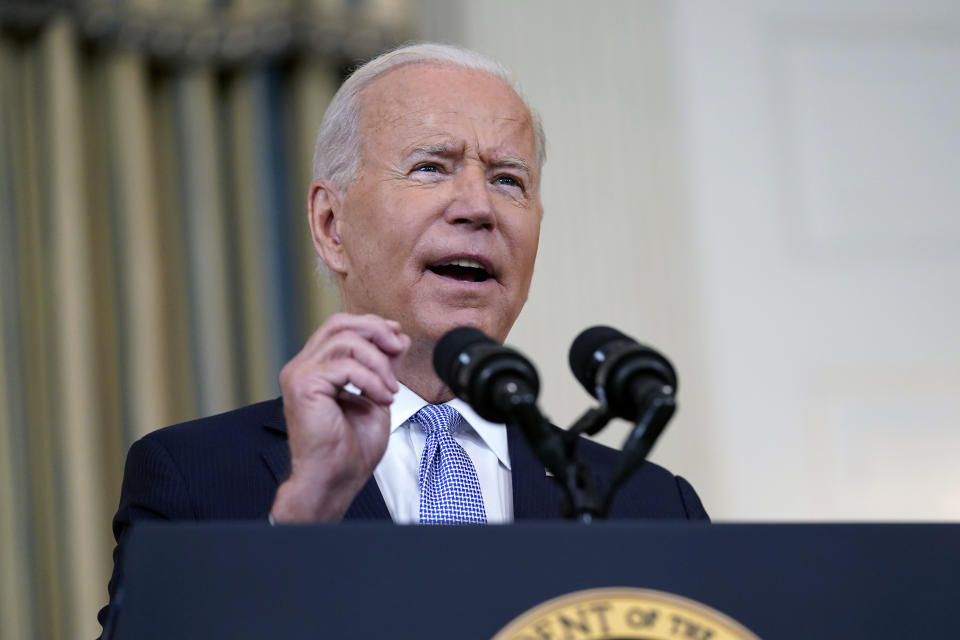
(426, 209)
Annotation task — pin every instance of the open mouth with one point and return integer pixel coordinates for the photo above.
(463, 269)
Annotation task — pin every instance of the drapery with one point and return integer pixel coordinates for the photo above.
(155, 262)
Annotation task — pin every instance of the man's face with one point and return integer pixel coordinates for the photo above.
(441, 227)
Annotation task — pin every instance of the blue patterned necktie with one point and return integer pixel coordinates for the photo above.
(449, 488)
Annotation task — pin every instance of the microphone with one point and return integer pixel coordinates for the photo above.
(624, 375)
(494, 379)
(502, 386)
(631, 381)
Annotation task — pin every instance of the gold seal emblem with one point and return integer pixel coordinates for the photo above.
(621, 613)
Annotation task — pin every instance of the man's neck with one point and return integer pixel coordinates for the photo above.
(415, 370)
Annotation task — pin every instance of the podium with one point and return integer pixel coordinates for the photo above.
(376, 580)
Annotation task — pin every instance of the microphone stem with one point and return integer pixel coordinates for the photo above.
(550, 447)
(654, 417)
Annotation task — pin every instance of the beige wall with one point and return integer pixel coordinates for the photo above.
(616, 241)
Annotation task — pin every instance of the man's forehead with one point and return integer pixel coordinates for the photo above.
(433, 119)
(400, 81)
(451, 110)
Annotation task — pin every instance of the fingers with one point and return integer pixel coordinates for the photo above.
(349, 349)
(368, 382)
(305, 383)
(385, 334)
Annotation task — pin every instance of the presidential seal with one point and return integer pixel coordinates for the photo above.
(621, 613)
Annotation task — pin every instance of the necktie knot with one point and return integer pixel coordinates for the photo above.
(437, 416)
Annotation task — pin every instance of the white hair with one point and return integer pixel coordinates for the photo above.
(336, 154)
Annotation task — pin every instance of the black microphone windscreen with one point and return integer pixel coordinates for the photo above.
(449, 348)
(581, 359)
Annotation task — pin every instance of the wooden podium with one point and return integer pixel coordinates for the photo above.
(385, 581)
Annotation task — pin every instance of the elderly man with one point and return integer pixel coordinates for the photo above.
(426, 209)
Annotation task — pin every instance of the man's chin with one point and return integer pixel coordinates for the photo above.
(472, 319)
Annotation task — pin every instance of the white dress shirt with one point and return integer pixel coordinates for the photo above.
(485, 442)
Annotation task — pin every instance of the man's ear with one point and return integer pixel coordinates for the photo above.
(325, 209)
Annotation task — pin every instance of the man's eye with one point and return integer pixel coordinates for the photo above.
(508, 181)
(427, 167)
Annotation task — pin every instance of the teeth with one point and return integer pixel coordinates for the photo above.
(465, 262)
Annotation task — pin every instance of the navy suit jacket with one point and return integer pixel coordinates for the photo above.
(228, 466)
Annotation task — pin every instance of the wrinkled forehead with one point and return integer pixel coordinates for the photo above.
(416, 101)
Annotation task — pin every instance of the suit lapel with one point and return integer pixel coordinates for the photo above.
(276, 454)
(368, 505)
(536, 496)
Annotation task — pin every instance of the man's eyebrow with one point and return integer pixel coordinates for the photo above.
(512, 162)
(443, 150)
(446, 150)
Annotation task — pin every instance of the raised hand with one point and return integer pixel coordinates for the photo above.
(337, 435)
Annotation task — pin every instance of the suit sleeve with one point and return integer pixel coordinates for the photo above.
(691, 501)
(153, 489)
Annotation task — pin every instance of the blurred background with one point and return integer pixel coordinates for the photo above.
(769, 193)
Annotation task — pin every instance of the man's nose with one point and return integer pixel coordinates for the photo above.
(472, 201)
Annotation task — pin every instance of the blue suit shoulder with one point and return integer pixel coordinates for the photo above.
(652, 489)
(222, 466)
(243, 427)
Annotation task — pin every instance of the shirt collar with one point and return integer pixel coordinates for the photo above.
(494, 435)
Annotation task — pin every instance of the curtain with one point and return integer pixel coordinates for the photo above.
(155, 262)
